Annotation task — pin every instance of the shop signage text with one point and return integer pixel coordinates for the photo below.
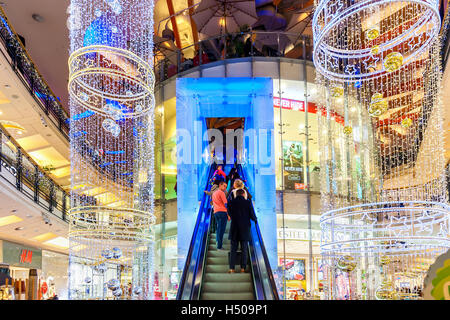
(297, 234)
(297, 105)
(26, 256)
(289, 104)
(18, 255)
(300, 186)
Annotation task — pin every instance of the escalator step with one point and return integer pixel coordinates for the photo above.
(224, 241)
(222, 268)
(213, 236)
(225, 246)
(227, 277)
(227, 287)
(228, 296)
(217, 253)
(217, 260)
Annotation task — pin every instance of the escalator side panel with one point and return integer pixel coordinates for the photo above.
(264, 282)
(189, 286)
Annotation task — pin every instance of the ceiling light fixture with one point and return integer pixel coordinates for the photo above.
(9, 220)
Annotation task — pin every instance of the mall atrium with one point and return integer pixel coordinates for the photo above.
(117, 117)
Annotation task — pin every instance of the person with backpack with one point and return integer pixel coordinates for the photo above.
(241, 212)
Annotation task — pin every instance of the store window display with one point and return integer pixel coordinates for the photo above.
(54, 275)
(6, 283)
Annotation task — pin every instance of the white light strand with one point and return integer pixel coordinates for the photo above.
(111, 85)
(382, 173)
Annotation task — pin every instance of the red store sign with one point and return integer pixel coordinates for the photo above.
(300, 186)
(26, 256)
(289, 104)
(297, 105)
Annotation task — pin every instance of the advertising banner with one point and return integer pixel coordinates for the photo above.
(293, 165)
(295, 274)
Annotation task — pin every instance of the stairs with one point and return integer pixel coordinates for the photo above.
(218, 284)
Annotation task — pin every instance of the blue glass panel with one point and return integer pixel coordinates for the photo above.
(249, 98)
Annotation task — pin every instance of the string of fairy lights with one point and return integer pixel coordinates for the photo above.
(384, 198)
(111, 85)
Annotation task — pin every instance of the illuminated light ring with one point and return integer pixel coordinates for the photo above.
(322, 32)
(138, 74)
(365, 53)
(429, 17)
(87, 236)
(402, 246)
(339, 237)
(97, 228)
(344, 53)
(440, 215)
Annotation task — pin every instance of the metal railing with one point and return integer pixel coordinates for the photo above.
(25, 175)
(27, 72)
(169, 63)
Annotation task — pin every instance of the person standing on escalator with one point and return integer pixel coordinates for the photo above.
(219, 200)
(219, 175)
(241, 212)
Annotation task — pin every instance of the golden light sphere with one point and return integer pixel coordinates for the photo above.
(375, 50)
(385, 291)
(337, 91)
(393, 61)
(406, 123)
(348, 130)
(373, 33)
(385, 260)
(378, 105)
(346, 263)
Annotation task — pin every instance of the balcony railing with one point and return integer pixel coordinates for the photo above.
(25, 175)
(27, 72)
(169, 62)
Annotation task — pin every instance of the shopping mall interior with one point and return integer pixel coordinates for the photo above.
(116, 115)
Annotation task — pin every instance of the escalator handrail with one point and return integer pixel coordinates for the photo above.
(255, 226)
(187, 264)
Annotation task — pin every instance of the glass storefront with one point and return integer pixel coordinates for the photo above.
(54, 276)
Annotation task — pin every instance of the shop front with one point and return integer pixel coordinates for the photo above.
(29, 273)
(299, 274)
(21, 266)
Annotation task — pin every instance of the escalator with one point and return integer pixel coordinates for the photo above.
(205, 274)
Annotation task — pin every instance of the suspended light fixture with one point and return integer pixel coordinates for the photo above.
(112, 158)
(384, 195)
